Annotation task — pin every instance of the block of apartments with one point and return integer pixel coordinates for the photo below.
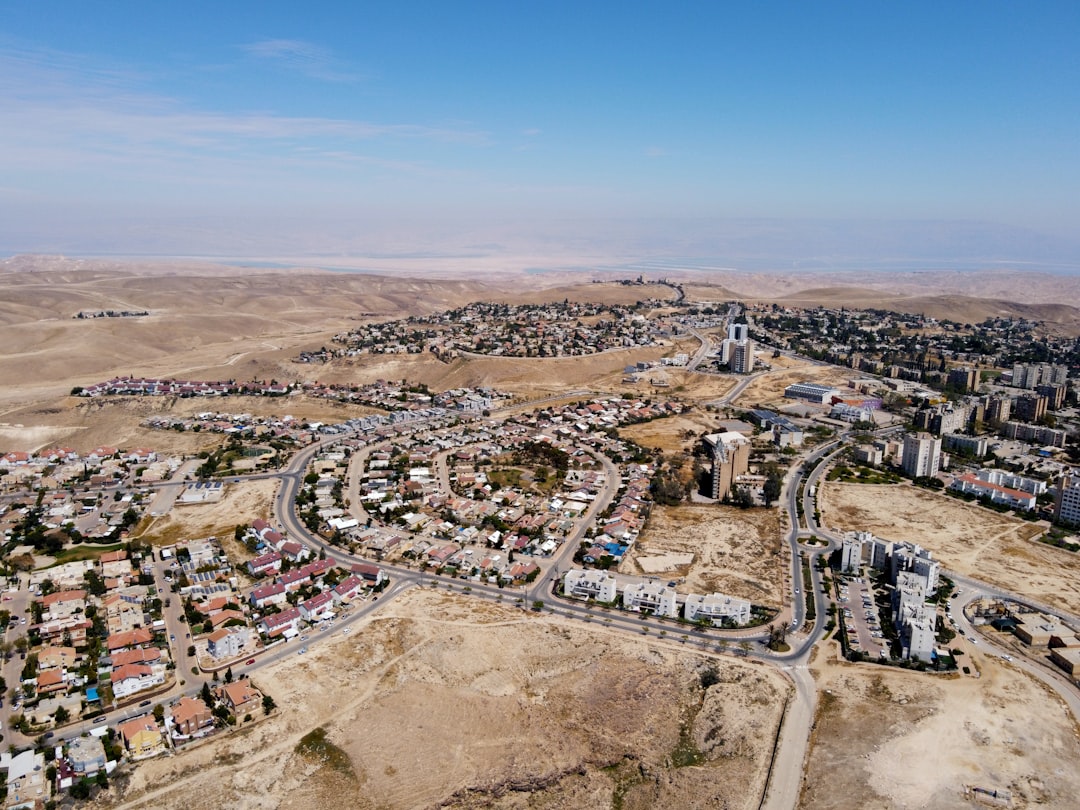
(914, 574)
(647, 596)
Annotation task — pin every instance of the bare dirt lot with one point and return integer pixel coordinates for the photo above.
(241, 504)
(735, 551)
(674, 434)
(966, 538)
(768, 389)
(886, 738)
(486, 706)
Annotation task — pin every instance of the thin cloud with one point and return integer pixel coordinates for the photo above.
(61, 110)
(302, 57)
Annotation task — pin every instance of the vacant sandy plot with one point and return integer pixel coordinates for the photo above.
(674, 434)
(242, 503)
(966, 538)
(735, 551)
(768, 389)
(447, 702)
(886, 738)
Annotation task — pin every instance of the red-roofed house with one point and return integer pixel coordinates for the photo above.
(51, 681)
(318, 607)
(272, 594)
(286, 623)
(62, 604)
(293, 580)
(241, 697)
(294, 551)
(348, 589)
(132, 638)
(189, 715)
(141, 656)
(372, 573)
(266, 564)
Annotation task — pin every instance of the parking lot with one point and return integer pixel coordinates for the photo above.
(861, 619)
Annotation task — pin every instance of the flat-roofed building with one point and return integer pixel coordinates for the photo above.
(650, 597)
(717, 607)
(589, 584)
(812, 392)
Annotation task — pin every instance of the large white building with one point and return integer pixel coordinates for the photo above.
(998, 493)
(922, 453)
(1067, 502)
(918, 634)
(812, 392)
(651, 597)
(589, 584)
(716, 607)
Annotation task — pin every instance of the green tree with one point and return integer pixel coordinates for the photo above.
(61, 716)
(268, 704)
(228, 675)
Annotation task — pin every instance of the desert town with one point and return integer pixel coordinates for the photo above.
(840, 516)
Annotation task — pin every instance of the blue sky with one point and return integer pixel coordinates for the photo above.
(259, 129)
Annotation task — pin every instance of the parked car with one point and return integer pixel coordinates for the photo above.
(250, 661)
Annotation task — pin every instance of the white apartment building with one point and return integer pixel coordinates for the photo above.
(922, 453)
(589, 584)
(851, 554)
(1067, 502)
(997, 493)
(652, 597)
(716, 607)
(918, 634)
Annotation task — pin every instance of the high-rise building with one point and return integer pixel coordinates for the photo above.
(998, 410)
(738, 331)
(1035, 374)
(921, 455)
(1055, 394)
(1067, 501)
(730, 458)
(965, 380)
(742, 357)
(1030, 407)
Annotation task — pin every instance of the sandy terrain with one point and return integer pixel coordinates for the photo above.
(966, 538)
(674, 433)
(768, 389)
(241, 504)
(537, 715)
(885, 738)
(735, 551)
(87, 423)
